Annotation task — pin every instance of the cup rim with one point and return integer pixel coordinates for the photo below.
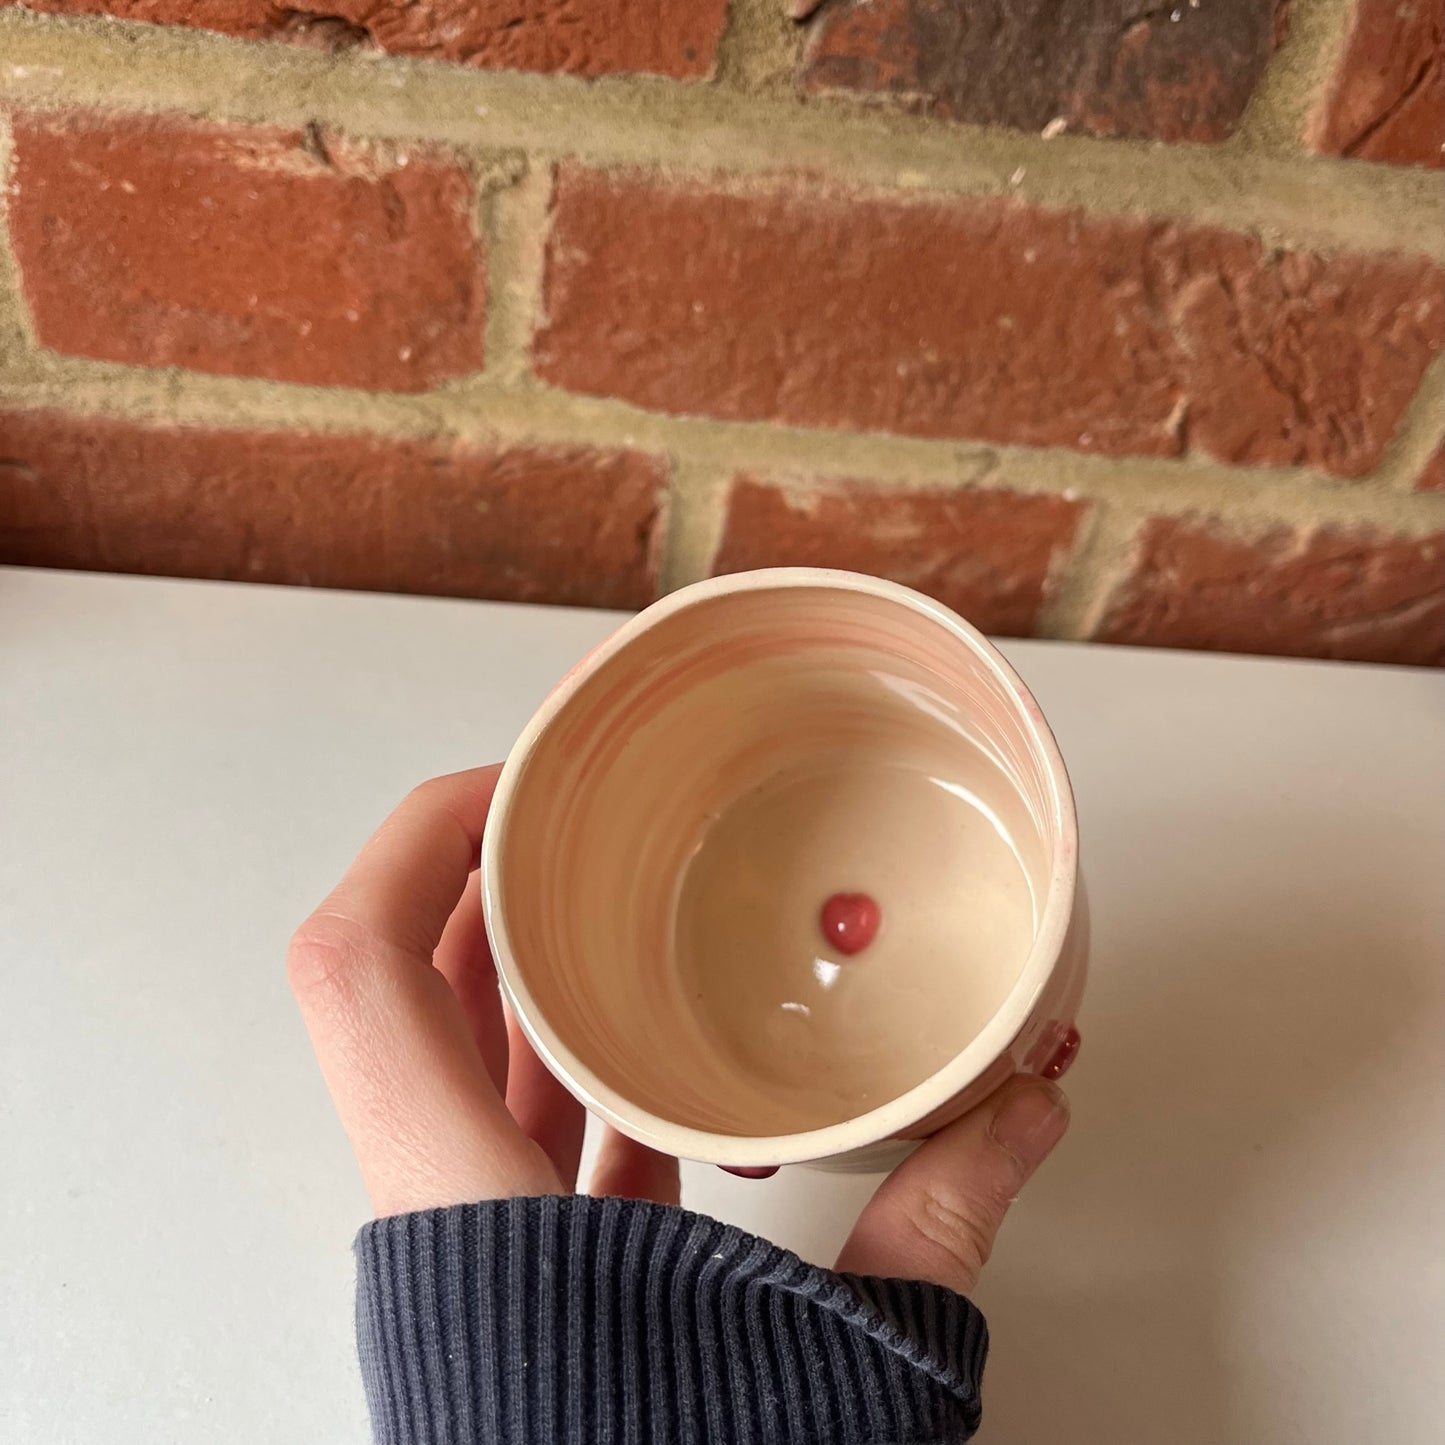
(897, 1114)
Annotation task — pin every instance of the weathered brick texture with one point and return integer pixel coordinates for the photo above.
(246, 251)
(981, 319)
(577, 37)
(1102, 67)
(576, 525)
(1325, 593)
(1386, 101)
(988, 554)
(1079, 315)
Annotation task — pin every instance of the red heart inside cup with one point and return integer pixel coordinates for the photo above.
(850, 921)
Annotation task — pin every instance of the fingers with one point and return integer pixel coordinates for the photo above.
(935, 1217)
(426, 1124)
(464, 959)
(406, 881)
(633, 1171)
(544, 1110)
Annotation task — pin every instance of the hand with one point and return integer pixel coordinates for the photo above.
(445, 1102)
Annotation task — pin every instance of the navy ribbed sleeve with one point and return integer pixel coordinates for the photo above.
(581, 1321)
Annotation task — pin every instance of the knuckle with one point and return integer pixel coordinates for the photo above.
(430, 794)
(962, 1228)
(323, 955)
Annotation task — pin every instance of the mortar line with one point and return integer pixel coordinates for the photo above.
(759, 48)
(1288, 199)
(16, 342)
(1100, 560)
(1421, 430)
(940, 464)
(516, 243)
(697, 502)
(791, 457)
(1295, 78)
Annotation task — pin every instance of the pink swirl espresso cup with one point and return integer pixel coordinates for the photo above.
(787, 870)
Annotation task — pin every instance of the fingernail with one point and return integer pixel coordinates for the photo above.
(763, 1171)
(1030, 1121)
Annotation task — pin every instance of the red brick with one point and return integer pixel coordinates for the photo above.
(967, 317)
(528, 524)
(246, 251)
(1432, 479)
(1327, 593)
(986, 553)
(1176, 73)
(250, 18)
(1386, 100)
(579, 37)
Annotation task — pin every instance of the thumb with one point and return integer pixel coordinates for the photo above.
(936, 1215)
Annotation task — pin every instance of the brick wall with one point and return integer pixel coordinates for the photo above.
(1093, 318)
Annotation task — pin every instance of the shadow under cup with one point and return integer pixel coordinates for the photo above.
(666, 834)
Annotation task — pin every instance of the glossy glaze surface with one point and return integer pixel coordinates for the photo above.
(826, 1032)
(666, 832)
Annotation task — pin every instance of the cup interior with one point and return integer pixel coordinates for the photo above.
(700, 804)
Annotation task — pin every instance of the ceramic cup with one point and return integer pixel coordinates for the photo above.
(668, 833)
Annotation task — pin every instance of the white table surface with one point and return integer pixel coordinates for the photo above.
(1240, 1240)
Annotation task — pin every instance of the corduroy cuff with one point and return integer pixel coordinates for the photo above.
(582, 1321)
